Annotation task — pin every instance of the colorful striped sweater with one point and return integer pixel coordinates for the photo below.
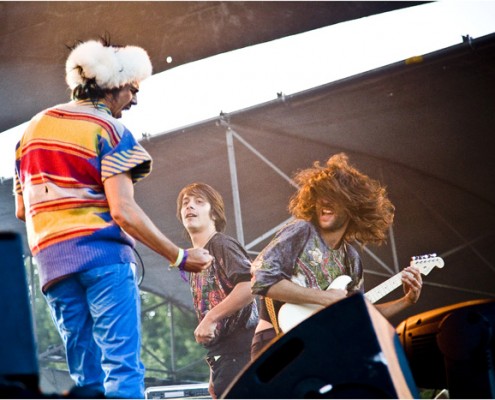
(62, 160)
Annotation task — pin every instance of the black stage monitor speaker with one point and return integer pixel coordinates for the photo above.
(18, 355)
(453, 348)
(347, 350)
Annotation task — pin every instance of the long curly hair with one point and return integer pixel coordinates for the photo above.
(364, 199)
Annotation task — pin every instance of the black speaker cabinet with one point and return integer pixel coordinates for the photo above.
(18, 355)
(453, 347)
(347, 350)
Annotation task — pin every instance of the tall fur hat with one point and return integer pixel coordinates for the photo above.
(111, 67)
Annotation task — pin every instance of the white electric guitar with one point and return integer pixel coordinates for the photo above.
(291, 315)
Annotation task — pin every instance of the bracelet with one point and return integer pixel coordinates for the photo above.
(182, 266)
(179, 259)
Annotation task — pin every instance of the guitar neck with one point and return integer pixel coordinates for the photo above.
(384, 288)
(424, 263)
(290, 315)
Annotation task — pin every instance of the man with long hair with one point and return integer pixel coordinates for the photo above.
(334, 206)
(75, 169)
(226, 309)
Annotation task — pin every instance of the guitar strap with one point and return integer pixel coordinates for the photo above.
(273, 316)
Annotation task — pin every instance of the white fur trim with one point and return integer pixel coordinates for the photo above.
(112, 67)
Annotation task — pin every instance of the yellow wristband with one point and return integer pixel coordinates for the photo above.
(180, 256)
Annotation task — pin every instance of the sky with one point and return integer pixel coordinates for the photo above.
(232, 81)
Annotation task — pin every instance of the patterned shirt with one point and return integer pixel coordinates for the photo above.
(231, 265)
(299, 253)
(62, 160)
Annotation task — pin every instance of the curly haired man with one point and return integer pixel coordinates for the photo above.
(335, 206)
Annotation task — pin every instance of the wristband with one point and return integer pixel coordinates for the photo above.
(179, 259)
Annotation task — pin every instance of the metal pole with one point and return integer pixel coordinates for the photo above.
(394, 249)
(235, 186)
(172, 340)
(264, 159)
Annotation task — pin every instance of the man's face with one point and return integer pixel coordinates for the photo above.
(195, 213)
(331, 218)
(123, 100)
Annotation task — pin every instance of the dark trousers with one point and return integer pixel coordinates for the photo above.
(261, 340)
(225, 368)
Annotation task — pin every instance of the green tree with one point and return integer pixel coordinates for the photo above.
(169, 348)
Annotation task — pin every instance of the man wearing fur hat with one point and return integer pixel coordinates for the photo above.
(75, 169)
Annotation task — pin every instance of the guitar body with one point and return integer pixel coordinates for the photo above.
(291, 315)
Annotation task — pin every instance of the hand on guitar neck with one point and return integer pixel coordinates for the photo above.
(291, 315)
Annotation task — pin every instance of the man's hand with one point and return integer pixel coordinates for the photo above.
(289, 292)
(197, 260)
(205, 331)
(412, 284)
(331, 296)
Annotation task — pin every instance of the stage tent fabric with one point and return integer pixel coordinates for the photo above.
(34, 36)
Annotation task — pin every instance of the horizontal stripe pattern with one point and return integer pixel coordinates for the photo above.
(127, 160)
(66, 204)
(50, 145)
(109, 128)
(60, 236)
(60, 181)
(62, 161)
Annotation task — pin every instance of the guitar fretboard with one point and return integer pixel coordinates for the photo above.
(384, 288)
(424, 263)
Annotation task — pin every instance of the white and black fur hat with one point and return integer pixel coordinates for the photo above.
(110, 66)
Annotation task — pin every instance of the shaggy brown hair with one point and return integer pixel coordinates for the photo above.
(363, 199)
(205, 191)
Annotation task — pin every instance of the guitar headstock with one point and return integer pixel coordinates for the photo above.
(427, 262)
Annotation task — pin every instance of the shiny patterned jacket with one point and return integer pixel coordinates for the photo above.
(298, 253)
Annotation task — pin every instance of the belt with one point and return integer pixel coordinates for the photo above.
(266, 334)
(210, 360)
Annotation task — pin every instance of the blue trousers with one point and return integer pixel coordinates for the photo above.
(97, 313)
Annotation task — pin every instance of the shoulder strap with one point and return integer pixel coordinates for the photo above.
(271, 312)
